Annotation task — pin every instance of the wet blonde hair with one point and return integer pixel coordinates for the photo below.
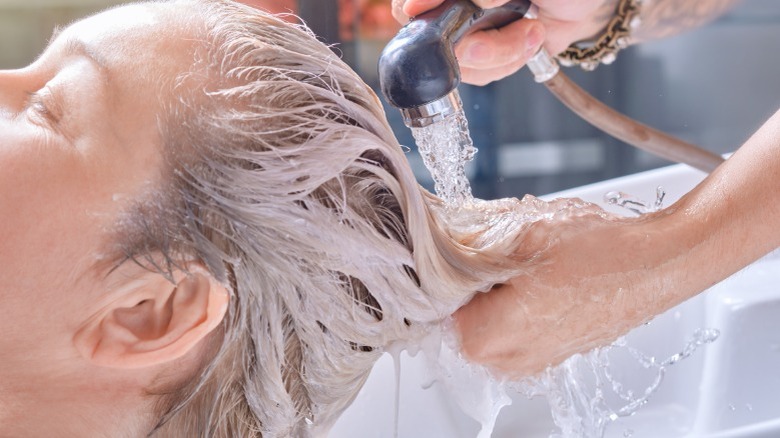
(287, 183)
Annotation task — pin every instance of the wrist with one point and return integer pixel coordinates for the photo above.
(615, 22)
(596, 27)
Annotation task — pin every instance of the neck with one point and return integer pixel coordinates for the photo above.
(60, 406)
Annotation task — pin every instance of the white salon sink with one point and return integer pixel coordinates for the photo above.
(730, 388)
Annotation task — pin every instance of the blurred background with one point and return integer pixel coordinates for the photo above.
(712, 86)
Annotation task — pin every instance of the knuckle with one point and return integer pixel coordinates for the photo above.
(508, 42)
(478, 78)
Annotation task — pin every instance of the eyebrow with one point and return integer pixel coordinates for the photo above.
(76, 47)
(72, 46)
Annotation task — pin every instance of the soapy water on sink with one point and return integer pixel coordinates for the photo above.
(583, 393)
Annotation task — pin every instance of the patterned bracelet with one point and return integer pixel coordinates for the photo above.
(589, 54)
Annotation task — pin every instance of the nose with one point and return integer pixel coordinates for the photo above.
(14, 88)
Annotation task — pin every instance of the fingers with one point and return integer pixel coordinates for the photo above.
(486, 4)
(490, 55)
(413, 8)
(483, 77)
(398, 11)
(403, 9)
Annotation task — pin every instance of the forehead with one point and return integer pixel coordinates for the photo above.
(140, 38)
(143, 49)
(134, 17)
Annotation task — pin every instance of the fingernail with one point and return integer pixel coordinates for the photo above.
(533, 39)
(477, 52)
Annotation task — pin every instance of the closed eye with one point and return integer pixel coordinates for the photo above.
(39, 103)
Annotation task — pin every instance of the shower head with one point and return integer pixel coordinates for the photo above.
(418, 71)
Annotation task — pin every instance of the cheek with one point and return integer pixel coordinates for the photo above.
(45, 227)
(50, 224)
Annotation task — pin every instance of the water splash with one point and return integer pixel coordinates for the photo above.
(471, 387)
(577, 389)
(634, 204)
(446, 147)
(584, 395)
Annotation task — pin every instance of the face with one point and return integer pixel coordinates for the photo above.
(78, 140)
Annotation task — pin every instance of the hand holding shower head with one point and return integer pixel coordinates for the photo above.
(419, 74)
(418, 71)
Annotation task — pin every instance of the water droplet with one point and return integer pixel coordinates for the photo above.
(732, 408)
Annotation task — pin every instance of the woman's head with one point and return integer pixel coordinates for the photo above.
(211, 151)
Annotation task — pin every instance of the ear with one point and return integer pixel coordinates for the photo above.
(153, 320)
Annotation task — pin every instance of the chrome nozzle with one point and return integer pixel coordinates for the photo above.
(424, 115)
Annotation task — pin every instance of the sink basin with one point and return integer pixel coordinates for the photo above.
(729, 388)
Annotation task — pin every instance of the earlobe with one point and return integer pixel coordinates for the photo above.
(154, 321)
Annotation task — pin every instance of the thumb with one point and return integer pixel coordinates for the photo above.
(403, 9)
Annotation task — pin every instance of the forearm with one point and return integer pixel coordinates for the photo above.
(663, 18)
(731, 219)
